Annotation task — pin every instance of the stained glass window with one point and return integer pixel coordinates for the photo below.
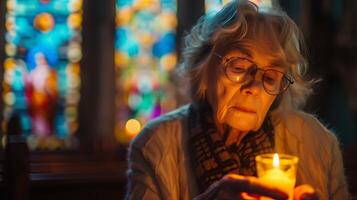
(145, 57)
(41, 70)
(212, 6)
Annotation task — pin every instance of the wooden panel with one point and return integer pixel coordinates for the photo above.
(78, 180)
(350, 163)
(74, 177)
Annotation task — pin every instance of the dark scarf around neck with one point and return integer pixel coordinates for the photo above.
(212, 160)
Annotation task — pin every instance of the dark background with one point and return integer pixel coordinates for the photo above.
(97, 169)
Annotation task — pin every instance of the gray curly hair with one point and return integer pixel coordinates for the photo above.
(275, 32)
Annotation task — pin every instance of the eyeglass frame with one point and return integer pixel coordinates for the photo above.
(286, 76)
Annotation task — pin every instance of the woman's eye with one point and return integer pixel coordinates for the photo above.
(238, 69)
(270, 80)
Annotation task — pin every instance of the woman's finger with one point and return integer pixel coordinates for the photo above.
(251, 185)
(305, 192)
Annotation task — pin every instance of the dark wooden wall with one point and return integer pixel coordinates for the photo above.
(330, 28)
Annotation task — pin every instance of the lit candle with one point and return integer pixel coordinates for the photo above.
(277, 174)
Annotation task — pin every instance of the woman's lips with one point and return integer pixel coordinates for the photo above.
(244, 109)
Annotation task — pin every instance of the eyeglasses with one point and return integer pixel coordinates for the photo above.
(241, 70)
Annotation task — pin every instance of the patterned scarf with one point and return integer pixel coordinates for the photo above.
(212, 159)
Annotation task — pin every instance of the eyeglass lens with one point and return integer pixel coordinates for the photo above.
(240, 70)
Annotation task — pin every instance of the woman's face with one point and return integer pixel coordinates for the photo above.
(242, 106)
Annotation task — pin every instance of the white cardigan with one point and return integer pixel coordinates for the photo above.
(159, 162)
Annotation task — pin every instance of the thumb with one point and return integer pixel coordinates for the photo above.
(305, 192)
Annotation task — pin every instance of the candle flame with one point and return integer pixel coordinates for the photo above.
(276, 160)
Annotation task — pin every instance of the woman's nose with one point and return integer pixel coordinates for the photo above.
(253, 84)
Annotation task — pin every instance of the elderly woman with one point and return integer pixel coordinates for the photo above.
(246, 73)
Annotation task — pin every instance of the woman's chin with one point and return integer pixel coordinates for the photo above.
(243, 125)
(242, 122)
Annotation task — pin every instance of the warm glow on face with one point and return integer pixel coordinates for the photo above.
(276, 160)
(132, 127)
(242, 106)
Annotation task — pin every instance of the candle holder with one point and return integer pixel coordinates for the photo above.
(278, 170)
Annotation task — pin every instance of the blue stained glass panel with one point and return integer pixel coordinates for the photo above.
(145, 57)
(212, 6)
(41, 70)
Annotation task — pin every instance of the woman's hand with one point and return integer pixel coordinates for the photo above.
(305, 192)
(233, 186)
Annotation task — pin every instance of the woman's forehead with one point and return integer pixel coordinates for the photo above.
(260, 55)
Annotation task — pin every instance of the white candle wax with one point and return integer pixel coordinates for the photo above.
(279, 179)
